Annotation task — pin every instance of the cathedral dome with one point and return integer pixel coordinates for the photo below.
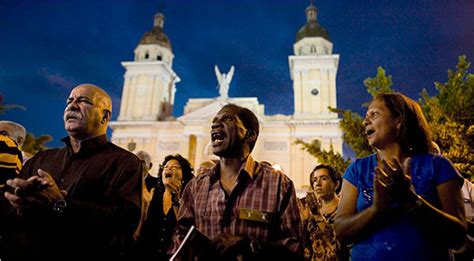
(312, 28)
(156, 35)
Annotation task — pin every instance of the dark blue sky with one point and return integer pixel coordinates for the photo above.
(48, 47)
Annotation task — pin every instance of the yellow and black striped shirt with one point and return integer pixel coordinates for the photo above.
(10, 159)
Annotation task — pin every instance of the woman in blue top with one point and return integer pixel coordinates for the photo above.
(394, 211)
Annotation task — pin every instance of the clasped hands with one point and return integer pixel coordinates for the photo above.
(392, 183)
(36, 192)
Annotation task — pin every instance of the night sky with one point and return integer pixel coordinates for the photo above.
(48, 47)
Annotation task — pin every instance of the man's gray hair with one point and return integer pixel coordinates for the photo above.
(18, 131)
(145, 157)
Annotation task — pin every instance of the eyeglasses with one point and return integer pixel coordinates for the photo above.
(172, 168)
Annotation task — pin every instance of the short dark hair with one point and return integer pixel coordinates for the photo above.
(333, 174)
(248, 118)
(415, 133)
(185, 168)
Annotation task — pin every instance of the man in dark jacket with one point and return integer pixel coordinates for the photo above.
(82, 200)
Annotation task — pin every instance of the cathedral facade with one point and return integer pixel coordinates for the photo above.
(145, 121)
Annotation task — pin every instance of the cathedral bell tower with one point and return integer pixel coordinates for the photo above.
(149, 81)
(313, 70)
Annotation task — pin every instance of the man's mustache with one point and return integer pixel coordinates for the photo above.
(72, 115)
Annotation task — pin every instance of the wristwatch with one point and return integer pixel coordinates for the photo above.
(59, 206)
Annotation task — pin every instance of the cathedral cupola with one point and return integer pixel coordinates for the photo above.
(155, 45)
(312, 38)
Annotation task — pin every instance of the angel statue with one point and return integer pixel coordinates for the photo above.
(224, 81)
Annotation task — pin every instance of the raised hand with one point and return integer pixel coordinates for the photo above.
(174, 188)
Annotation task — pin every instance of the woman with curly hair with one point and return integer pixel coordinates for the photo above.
(159, 223)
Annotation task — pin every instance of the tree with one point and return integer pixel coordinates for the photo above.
(325, 156)
(450, 114)
(34, 145)
(381, 83)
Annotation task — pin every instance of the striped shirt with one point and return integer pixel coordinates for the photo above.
(10, 159)
(262, 206)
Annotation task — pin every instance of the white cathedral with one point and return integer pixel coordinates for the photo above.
(145, 121)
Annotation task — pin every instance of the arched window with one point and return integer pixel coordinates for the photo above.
(147, 55)
(313, 49)
(158, 57)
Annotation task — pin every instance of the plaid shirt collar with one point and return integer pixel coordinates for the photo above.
(249, 168)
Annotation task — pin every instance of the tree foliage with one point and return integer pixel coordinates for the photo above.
(34, 144)
(325, 156)
(450, 114)
(381, 83)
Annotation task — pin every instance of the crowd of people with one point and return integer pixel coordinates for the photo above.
(92, 199)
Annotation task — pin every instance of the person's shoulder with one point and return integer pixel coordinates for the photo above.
(360, 169)
(367, 158)
(198, 183)
(8, 146)
(203, 178)
(438, 165)
(436, 159)
(9, 142)
(121, 152)
(49, 152)
(266, 170)
(372, 158)
(45, 156)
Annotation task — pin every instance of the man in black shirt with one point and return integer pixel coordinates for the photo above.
(82, 200)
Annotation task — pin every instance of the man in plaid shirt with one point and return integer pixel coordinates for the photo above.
(247, 209)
